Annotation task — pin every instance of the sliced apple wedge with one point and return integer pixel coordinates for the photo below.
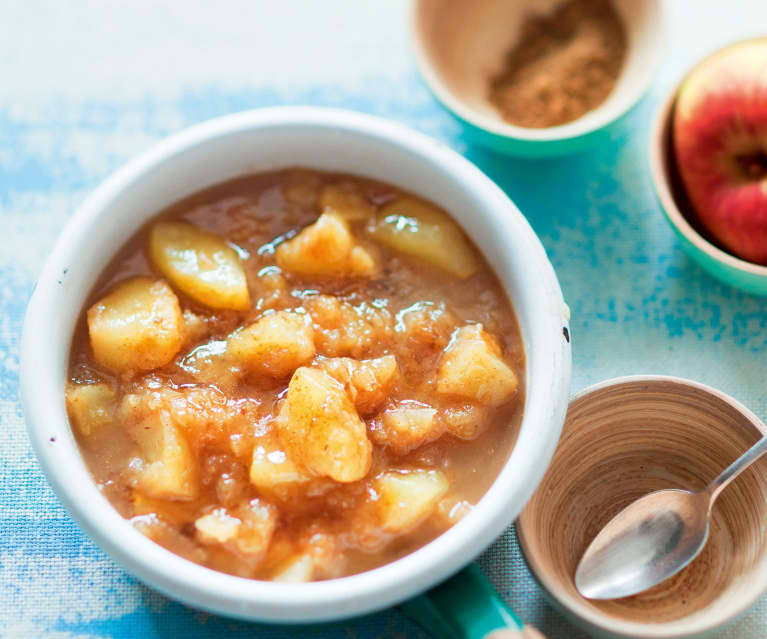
(416, 228)
(200, 264)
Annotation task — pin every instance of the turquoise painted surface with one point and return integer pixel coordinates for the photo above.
(639, 305)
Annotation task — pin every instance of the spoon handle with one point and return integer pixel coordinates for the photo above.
(734, 469)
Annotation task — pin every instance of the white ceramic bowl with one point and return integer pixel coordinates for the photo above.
(460, 45)
(258, 141)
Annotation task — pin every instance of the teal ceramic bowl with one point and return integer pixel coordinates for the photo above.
(747, 276)
(459, 46)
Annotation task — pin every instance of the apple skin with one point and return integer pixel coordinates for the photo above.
(720, 145)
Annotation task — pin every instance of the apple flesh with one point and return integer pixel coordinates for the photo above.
(720, 145)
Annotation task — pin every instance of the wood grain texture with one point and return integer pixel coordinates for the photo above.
(622, 441)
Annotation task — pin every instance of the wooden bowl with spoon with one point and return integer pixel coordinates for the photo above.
(623, 439)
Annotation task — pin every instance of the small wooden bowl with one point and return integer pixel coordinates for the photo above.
(623, 439)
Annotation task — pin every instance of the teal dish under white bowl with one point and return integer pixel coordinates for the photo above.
(459, 46)
(746, 276)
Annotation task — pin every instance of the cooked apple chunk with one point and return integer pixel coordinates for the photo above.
(246, 530)
(406, 498)
(166, 467)
(136, 327)
(211, 363)
(201, 264)
(472, 368)
(90, 406)
(345, 200)
(465, 420)
(416, 228)
(273, 473)
(407, 426)
(298, 569)
(326, 248)
(259, 519)
(321, 429)
(341, 328)
(314, 555)
(217, 527)
(425, 327)
(366, 381)
(275, 345)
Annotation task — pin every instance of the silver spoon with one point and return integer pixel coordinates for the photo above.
(654, 538)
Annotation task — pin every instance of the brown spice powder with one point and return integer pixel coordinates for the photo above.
(563, 65)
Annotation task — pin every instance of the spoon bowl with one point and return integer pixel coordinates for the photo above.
(646, 543)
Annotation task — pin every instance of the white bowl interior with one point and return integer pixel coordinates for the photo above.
(460, 45)
(265, 140)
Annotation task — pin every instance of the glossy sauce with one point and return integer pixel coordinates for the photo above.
(410, 310)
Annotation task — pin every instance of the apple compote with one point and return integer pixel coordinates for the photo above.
(296, 376)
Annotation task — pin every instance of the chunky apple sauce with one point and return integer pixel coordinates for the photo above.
(296, 376)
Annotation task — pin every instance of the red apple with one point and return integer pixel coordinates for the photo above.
(720, 143)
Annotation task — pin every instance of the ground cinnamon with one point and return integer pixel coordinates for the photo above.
(562, 66)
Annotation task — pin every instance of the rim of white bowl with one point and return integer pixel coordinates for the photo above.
(601, 117)
(678, 628)
(48, 428)
(661, 182)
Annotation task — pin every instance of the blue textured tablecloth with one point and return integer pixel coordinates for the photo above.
(85, 85)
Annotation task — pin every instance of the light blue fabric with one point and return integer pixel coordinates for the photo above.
(638, 306)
